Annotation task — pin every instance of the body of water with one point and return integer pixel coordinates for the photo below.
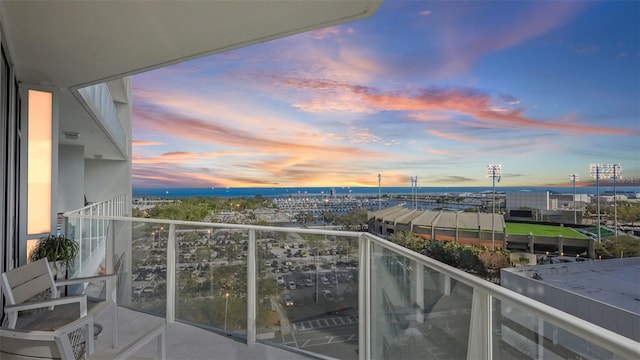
(359, 191)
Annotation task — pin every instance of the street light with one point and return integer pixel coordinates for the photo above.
(595, 171)
(574, 178)
(494, 172)
(226, 309)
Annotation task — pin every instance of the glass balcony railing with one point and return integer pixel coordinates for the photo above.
(91, 233)
(99, 99)
(334, 294)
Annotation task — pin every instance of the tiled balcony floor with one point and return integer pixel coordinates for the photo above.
(183, 341)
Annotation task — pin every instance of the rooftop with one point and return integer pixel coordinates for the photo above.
(613, 282)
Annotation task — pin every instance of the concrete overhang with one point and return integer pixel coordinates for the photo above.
(71, 44)
(68, 45)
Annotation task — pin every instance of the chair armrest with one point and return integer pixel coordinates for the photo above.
(80, 299)
(82, 280)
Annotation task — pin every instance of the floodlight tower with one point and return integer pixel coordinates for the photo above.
(495, 173)
(613, 172)
(414, 191)
(595, 171)
(379, 193)
(574, 178)
(617, 171)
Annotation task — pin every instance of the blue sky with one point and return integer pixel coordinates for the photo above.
(436, 90)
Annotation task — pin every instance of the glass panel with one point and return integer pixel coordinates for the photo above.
(315, 294)
(149, 267)
(416, 312)
(522, 335)
(211, 279)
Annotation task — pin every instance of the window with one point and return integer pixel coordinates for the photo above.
(39, 170)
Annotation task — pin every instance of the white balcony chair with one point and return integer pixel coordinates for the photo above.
(73, 341)
(24, 287)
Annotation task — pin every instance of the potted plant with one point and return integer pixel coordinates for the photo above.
(58, 249)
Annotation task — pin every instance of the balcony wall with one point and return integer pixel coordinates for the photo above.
(354, 295)
(101, 103)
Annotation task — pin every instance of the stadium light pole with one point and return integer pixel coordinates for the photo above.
(617, 170)
(594, 170)
(574, 178)
(379, 193)
(613, 172)
(414, 191)
(494, 172)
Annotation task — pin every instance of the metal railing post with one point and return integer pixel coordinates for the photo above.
(171, 275)
(251, 288)
(364, 298)
(481, 327)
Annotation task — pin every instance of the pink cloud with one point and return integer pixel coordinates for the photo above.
(332, 95)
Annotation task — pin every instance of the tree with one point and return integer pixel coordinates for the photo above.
(355, 220)
(618, 246)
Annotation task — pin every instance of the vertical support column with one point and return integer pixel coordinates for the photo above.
(481, 327)
(90, 231)
(446, 284)
(110, 248)
(560, 245)
(540, 339)
(252, 294)
(364, 298)
(78, 235)
(531, 238)
(418, 287)
(112, 284)
(592, 248)
(171, 275)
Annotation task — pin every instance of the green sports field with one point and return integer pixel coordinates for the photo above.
(543, 230)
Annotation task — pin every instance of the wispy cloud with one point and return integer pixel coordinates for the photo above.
(145, 143)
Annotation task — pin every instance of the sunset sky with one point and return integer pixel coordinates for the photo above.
(434, 89)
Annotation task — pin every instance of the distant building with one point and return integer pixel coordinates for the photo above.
(545, 206)
(460, 227)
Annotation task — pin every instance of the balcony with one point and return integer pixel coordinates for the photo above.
(103, 109)
(350, 295)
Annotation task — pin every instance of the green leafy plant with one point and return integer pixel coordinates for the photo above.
(56, 248)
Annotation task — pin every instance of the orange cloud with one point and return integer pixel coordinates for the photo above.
(145, 143)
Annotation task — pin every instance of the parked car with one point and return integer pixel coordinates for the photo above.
(308, 282)
(324, 280)
(280, 280)
(288, 301)
(327, 294)
(292, 285)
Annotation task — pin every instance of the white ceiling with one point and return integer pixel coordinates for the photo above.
(71, 44)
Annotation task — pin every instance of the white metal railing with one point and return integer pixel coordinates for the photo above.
(99, 98)
(396, 288)
(91, 233)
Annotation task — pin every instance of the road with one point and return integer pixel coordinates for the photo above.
(335, 336)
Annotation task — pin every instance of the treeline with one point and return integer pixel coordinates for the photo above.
(618, 247)
(472, 259)
(628, 212)
(197, 208)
